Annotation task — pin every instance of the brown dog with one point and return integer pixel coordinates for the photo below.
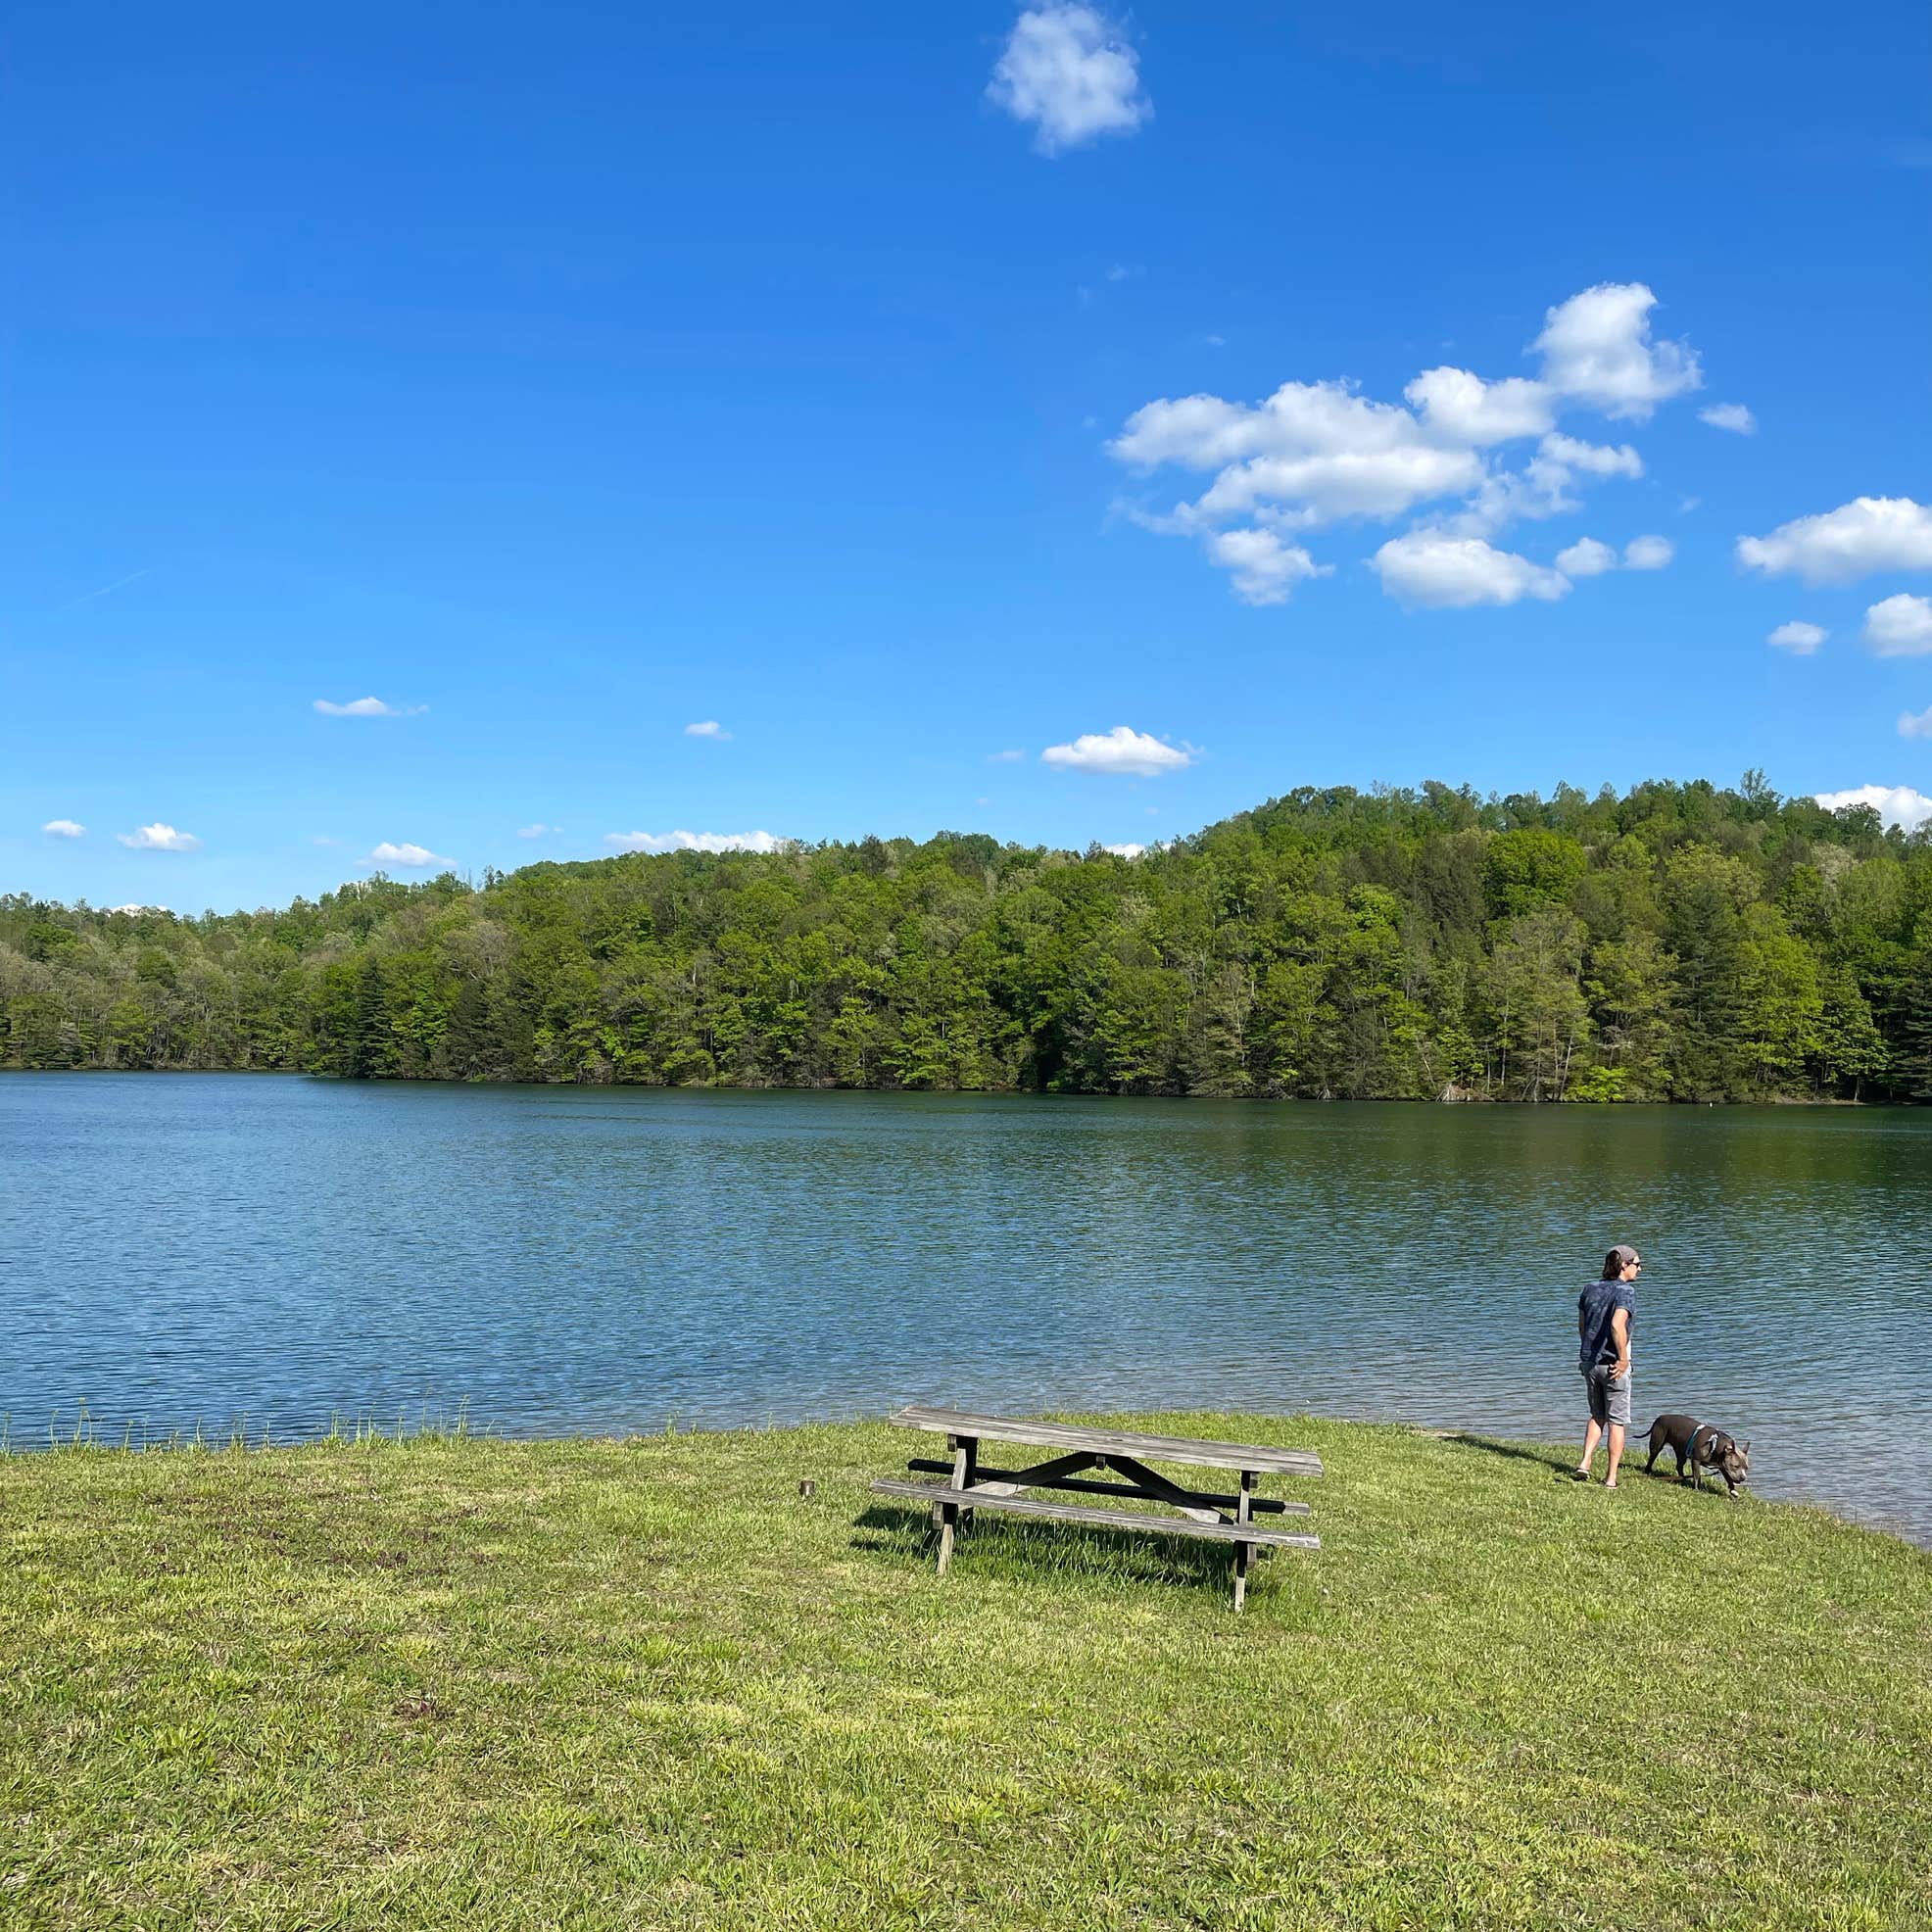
(1698, 1447)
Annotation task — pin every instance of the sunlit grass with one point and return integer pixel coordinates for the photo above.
(450, 1681)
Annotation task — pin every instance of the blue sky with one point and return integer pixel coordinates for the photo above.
(564, 377)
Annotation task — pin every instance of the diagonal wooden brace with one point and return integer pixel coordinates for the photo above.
(1038, 1475)
(1159, 1489)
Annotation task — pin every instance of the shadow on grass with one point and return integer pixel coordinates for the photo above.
(1559, 1461)
(1059, 1549)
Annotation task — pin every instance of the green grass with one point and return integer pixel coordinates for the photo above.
(456, 1681)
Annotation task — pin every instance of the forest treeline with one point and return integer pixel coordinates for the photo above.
(1680, 943)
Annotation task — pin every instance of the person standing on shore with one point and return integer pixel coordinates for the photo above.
(1605, 1313)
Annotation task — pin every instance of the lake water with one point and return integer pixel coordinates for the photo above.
(192, 1248)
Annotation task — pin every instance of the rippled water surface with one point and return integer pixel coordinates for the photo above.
(189, 1248)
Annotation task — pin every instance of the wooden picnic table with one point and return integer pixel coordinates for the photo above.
(1118, 1453)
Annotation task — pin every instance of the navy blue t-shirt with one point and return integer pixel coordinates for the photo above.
(1596, 1308)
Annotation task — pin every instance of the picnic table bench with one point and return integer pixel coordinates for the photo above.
(1199, 1513)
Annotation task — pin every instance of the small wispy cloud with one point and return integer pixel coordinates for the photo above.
(63, 828)
(1006, 757)
(1430, 569)
(1798, 637)
(158, 838)
(1901, 626)
(1069, 72)
(538, 831)
(1915, 724)
(1125, 852)
(369, 707)
(323, 839)
(1120, 753)
(707, 728)
(1586, 558)
(695, 842)
(105, 590)
(404, 854)
(1733, 416)
(1648, 553)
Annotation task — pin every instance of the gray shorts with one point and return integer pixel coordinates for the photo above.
(1610, 1397)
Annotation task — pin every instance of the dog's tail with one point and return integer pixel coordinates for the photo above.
(1644, 1434)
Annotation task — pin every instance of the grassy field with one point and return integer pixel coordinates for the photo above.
(587, 1684)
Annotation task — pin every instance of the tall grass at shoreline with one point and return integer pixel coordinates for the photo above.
(85, 1430)
(645, 1683)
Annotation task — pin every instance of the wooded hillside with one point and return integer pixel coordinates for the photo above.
(1681, 942)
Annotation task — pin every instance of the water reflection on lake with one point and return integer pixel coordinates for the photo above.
(189, 1247)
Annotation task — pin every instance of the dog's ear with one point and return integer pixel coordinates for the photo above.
(1745, 1448)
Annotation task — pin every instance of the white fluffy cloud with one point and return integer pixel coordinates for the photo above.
(707, 728)
(414, 857)
(1842, 545)
(1901, 626)
(1312, 454)
(63, 828)
(695, 842)
(1896, 805)
(1125, 852)
(1586, 558)
(1798, 638)
(158, 838)
(1448, 572)
(1122, 751)
(1648, 553)
(1266, 570)
(1915, 724)
(1460, 407)
(1733, 416)
(1597, 350)
(1591, 458)
(369, 707)
(1069, 71)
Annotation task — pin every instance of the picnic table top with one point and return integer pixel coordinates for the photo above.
(1077, 1439)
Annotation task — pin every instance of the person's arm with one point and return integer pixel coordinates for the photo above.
(1619, 1331)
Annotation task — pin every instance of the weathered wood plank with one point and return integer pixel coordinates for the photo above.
(1161, 1526)
(1200, 1498)
(1103, 1441)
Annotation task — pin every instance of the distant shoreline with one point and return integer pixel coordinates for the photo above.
(976, 1092)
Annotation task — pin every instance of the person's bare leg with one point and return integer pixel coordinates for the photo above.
(1590, 1439)
(1615, 1454)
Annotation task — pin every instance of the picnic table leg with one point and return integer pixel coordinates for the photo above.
(1244, 1552)
(965, 1453)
